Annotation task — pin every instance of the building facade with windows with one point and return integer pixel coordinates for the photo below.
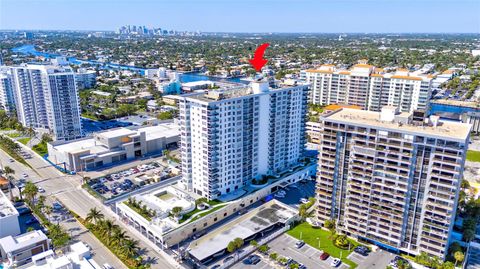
(369, 87)
(7, 101)
(389, 180)
(230, 137)
(47, 97)
(113, 146)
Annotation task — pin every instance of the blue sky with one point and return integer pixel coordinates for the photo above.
(362, 16)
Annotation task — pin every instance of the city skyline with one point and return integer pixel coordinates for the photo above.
(320, 17)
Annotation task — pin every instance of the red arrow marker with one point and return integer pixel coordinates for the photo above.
(258, 61)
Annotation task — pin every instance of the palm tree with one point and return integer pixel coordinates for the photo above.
(48, 210)
(130, 248)
(108, 227)
(95, 215)
(119, 237)
(459, 256)
(8, 171)
(30, 192)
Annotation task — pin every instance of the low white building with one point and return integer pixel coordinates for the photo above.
(9, 225)
(18, 250)
(113, 146)
(78, 257)
(197, 85)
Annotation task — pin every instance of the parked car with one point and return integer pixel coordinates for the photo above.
(57, 206)
(40, 189)
(23, 210)
(324, 256)
(11, 160)
(252, 259)
(32, 220)
(299, 244)
(335, 262)
(303, 200)
(362, 250)
(25, 175)
(107, 266)
(227, 259)
(216, 266)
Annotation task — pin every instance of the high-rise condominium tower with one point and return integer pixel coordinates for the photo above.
(7, 101)
(390, 180)
(229, 137)
(369, 87)
(47, 97)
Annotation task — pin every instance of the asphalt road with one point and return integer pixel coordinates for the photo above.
(67, 189)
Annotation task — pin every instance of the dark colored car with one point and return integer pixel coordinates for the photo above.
(253, 259)
(324, 256)
(362, 250)
(32, 220)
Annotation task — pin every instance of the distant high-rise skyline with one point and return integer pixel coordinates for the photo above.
(370, 16)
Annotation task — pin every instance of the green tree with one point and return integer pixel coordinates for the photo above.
(273, 256)
(8, 171)
(254, 243)
(263, 249)
(459, 256)
(341, 241)
(94, 215)
(30, 191)
(199, 201)
(468, 235)
(176, 211)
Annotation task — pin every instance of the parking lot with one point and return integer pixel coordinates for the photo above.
(297, 191)
(284, 245)
(128, 180)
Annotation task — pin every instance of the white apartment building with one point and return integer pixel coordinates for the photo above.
(8, 217)
(369, 87)
(389, 180)
(47, 97)
(231, 136)
(7, 101)
(18, 250)
(85, 79)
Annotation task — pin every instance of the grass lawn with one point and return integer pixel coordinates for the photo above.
(185, 217)
(310, 235)
(13, 135)
(473, 156)
(41, 148)
(24, 140)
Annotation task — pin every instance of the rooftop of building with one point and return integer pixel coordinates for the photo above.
(334, 107)
(78, 257)
(443, 129)
(363, 69)
(161, 201)
(167, 130)
(6, 207)
(245, 226)
(13, 243)
(255, 87)
(456, 103)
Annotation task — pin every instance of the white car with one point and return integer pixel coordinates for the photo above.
(107, 266)
(303, 200)
(40, 189)
(335, 262)
(278, 195)
(24, 175)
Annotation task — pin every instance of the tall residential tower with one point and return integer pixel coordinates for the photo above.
(230, 137)
(369, 87)
(391, 180)
(47, 97)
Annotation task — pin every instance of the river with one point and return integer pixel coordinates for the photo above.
(184, 77)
